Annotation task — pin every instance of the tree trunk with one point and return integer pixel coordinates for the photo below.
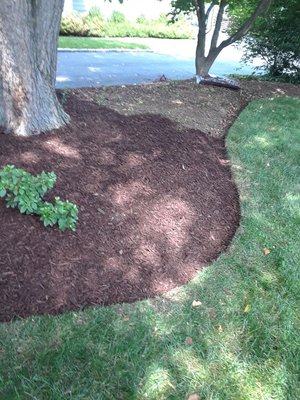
(29, 32)
(202, 67)
(203, 64)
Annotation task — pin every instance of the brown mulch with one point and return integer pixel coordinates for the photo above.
(155, 196)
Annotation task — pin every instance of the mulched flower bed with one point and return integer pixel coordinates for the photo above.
(156, 203)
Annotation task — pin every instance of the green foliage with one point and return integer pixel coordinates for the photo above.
(274, 38)
(25, 191)
(74, 25)
(117, 17)
(150, 28)
(95, 12)
(141, 19)
(189, 6)
(284, 78)
(93, 24)
(182, 6)
(63, 213)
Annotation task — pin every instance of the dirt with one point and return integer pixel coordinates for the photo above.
(209, 109)
(148, 170)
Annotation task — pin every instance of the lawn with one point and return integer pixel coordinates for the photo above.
(231, 333)
(75, 42)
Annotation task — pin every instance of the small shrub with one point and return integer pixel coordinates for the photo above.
(117, 17)
(141, 19)
(63, 213)
(73, 25)
(95, 27)
(124, 29)
(95, 12)
(25, 192)
(94, 22)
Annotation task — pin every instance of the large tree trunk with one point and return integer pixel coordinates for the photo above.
(204, 63)
(28, 54)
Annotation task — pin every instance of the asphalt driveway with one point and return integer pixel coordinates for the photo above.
(167, 59)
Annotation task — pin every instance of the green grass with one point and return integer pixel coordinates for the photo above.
(285, 78)
(245, 334)
(75, 42)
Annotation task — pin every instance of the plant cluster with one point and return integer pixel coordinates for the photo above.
(94, 24)
(25, 191)
(274, 39)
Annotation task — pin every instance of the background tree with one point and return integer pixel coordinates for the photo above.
(275, 37)
(203, 8)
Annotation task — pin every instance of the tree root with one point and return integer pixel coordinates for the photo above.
(217, 81)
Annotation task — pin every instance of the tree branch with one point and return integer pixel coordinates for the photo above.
(197, 10)
(200, 8)
(211, 6)
(262, 6)
(215, 36)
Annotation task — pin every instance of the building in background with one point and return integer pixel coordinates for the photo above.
(130, 8)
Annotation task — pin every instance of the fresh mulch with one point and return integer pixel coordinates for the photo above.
(155, 205)
(155, 195)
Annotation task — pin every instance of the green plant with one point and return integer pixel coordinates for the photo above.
(141, 19)
(74, 25)
(95, 12)
(94, 22)
(285, 78)
(25, 191)
(117, 17)
(63, 213)
(274, 39)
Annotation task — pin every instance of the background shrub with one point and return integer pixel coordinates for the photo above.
(117, 17)
(94, 24)
(274, 38)
(95, 12)
(141, 19)
(73, 25)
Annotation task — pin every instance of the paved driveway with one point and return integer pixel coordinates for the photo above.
(173, 59)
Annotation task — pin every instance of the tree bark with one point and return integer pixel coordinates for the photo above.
(204, 64)
(201, 60)
(29, 32)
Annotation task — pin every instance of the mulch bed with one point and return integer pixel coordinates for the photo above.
(156, 203)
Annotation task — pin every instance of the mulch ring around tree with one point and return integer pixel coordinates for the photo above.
(156, 203)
